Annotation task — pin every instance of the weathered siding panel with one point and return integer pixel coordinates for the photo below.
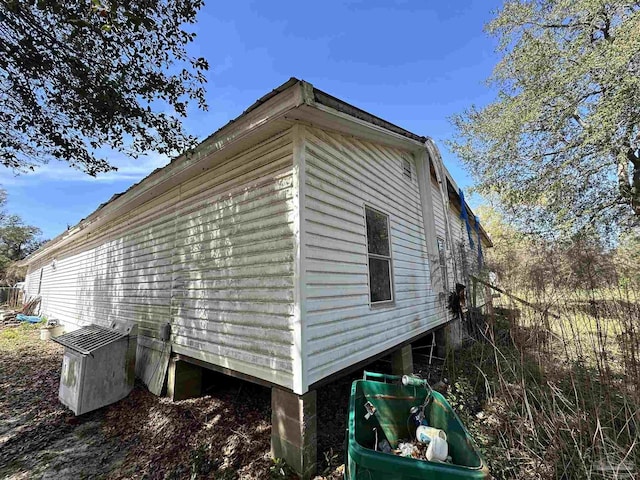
(232, 301)
(341, 328)
(458, 239)
(438, 209)
(466, 256)
(32, 280)
(459, 251)
(213, 256)
(441, 231)
(122, 279)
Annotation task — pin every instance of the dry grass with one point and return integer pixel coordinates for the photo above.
(560, 396)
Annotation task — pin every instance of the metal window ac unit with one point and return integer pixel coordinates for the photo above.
(98, 367)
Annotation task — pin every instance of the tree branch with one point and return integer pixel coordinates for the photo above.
(579, 121)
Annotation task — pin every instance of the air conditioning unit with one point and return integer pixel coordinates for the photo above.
(98, 367)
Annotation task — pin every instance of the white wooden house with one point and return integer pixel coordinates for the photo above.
(303, 238)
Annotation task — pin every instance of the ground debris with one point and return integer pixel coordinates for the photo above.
(222, 435)
(8, 316)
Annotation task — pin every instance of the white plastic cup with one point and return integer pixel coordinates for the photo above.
(438, 450)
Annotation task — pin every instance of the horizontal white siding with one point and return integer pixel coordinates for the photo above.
(32, 280)
(438, 209)
(459, 238)
(466, 256)
(233, 281)
(213, 257)
(341, 328)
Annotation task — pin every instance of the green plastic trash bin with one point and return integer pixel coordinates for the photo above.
(392, 421)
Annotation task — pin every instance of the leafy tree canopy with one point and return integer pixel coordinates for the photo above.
(534, 262)
(559, 147)
(77, 75)
(17, 240)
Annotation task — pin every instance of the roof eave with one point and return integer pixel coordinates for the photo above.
(268, 108)
(295, 100)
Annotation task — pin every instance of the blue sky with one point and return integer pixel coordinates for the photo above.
(413, 62)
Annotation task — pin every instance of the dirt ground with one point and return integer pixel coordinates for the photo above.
(223, 435)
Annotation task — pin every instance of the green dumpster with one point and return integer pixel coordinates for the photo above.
(391, 420)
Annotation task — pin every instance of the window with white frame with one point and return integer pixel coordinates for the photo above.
(379, 250)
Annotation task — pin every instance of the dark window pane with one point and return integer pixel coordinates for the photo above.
(377, 233)
(443, 263)
(379, 280)
(406, 168)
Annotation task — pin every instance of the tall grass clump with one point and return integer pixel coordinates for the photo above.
(555, 385)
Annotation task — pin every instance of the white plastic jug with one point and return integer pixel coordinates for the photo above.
(424, 434)
(438, 450)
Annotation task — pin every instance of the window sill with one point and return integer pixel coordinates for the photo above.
(382, 305)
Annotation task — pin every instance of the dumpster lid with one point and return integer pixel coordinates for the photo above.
(89, 339)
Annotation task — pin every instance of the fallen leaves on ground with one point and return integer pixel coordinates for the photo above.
(223, 435)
